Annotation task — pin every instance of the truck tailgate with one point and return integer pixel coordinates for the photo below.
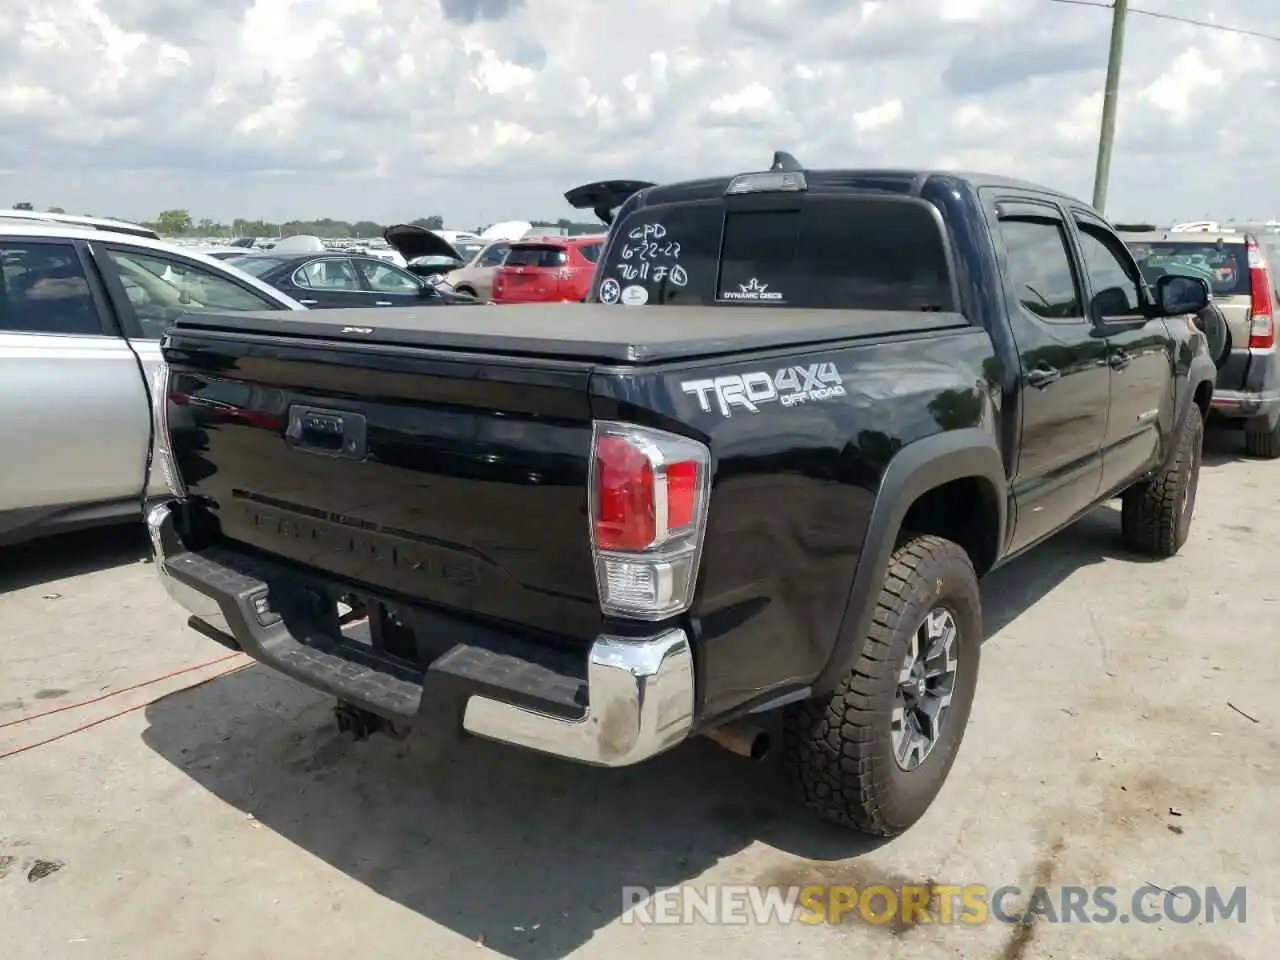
(456, 481)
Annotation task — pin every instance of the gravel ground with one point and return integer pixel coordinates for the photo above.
(1125, 733)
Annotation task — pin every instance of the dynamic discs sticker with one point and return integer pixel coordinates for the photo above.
(635, 295)
(609, 291)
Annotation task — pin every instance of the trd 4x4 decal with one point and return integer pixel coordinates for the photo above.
(789, 386)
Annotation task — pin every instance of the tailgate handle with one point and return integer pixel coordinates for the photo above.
(330, 433)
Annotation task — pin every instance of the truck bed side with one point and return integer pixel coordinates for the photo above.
(794, 488)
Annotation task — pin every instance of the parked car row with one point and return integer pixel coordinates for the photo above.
(530, 270)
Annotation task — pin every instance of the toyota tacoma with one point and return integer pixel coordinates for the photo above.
(761, 470)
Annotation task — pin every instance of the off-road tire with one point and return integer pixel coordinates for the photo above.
(1155, 515)
(837, 750)
(1264, 444)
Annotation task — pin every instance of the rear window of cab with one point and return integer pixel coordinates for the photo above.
(833, 252)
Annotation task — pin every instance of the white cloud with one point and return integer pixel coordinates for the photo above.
(878, 117)
(489, 109)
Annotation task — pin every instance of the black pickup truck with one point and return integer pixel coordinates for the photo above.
(760, 471)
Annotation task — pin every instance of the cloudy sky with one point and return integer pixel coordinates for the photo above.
(484, 110)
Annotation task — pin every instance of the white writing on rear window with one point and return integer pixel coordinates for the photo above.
(675, 274)
(650, 255)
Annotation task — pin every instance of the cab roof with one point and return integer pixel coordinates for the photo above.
(884, 180)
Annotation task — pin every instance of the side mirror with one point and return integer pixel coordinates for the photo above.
(1177, 295)
(428, 288)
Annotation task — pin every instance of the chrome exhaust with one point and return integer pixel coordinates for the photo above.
(742, 739)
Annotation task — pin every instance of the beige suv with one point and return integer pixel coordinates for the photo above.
(1240, 322)
(476, 278)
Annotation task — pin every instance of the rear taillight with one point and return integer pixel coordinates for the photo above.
(648, 504)
(162, 450)
(1262, 321)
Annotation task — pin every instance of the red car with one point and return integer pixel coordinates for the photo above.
(548, 270)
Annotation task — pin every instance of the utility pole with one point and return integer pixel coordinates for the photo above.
(1119, 13)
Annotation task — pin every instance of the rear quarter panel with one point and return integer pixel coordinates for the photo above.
(793, 489)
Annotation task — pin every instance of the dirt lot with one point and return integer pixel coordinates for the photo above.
(231, 821)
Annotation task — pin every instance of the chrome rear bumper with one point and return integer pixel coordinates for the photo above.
(640, 692)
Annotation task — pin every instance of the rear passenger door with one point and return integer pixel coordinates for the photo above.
(1065, 378)
(391, 286)
(330, 282)
(76, 424)
(1139, 355)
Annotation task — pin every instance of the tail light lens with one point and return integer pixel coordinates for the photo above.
(1262, 321)
(161, 448)
(648, 505)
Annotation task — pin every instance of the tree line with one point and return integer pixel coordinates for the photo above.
(181, 223)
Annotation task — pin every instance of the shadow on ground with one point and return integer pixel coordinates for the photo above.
(529, 853)
(1014, 588)
(70, 555)
(1222, 446)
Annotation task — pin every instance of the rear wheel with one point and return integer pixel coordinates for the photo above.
(1263, 443)
(874, 754)
(1156, 514)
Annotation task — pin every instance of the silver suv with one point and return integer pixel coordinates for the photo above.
(82, 311)
(1240, 322)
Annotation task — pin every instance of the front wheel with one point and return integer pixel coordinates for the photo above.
(1155, 515)
(874, 754)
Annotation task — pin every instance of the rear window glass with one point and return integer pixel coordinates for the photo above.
(1225, 266)
(540, 255)
(833, 252)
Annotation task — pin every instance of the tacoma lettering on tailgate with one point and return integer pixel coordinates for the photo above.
(382, 548)
(788, 386)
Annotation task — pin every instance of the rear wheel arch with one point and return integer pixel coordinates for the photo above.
(1203, 397)
(950, 485)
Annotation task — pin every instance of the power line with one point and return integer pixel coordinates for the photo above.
(1175, 18)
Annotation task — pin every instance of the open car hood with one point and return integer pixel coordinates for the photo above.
(605, 197)
(412, 242)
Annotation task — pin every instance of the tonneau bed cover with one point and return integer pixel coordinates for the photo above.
(586, 331)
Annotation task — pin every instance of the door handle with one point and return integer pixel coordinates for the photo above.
(382, 303)
(1118, 360)
(1041, 377)
(308, 303)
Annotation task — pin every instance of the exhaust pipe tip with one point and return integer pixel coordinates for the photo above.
(746, 741)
